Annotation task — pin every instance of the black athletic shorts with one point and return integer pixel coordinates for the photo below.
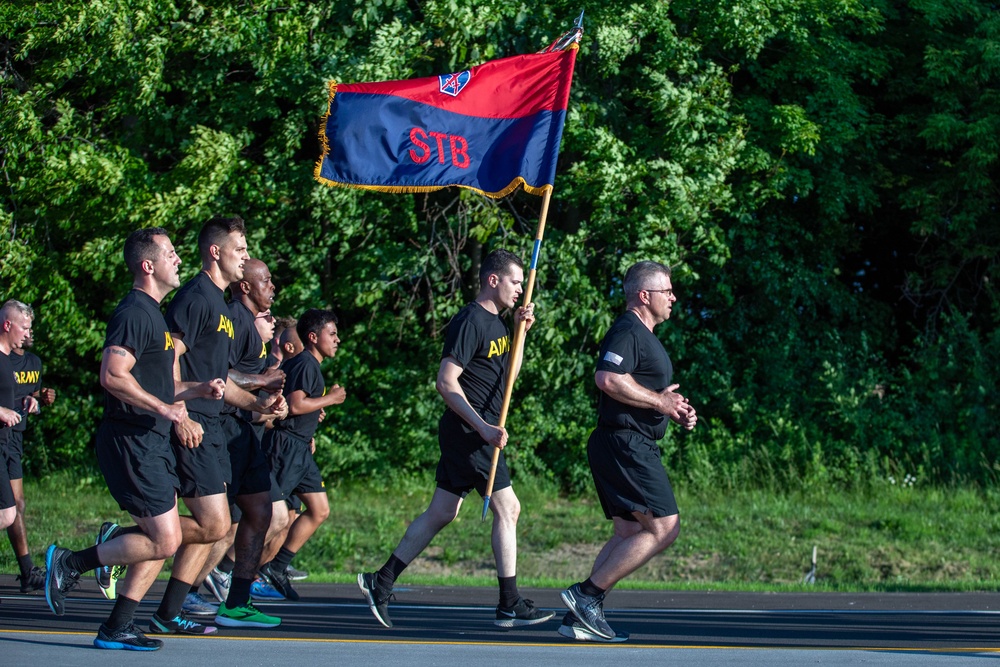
(139, 468)
(12, 453)
(293, 468)
(466, 459)
(249, 469)
(629, 475)
(204, 470)
(295, 504)
(6, 492)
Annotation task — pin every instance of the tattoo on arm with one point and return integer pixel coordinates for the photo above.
(120, 352)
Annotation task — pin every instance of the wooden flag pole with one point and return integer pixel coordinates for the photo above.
(518, 346)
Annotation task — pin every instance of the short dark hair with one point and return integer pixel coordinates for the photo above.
(498, 262)
(140, 246)
(312, 321)
(215, 231)
(639, 273)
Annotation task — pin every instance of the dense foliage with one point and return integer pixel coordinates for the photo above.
(822, 176)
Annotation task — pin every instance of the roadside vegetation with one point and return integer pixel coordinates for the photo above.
(883, 537)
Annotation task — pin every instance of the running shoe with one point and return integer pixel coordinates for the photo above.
(523, 613)
(246, 616)
(179, 625)
(58, 579)
(378, 600)
(279, 580)
(219, 583)
(33, 581)
(589, 610)
(572, 628)
(296, 575)
(108, 575)
(197, 606)
(127, 638)
(261, 590)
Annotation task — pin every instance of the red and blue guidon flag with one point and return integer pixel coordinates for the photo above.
(490, 128)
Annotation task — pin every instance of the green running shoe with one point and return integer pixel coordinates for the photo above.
(246, 616)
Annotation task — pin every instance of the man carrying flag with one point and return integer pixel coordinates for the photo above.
(492, 129)
(471, 380)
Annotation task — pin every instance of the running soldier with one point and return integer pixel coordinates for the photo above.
(29, 396)
(15, 326)
(203, 332)
(637, 399)
(141, 404)
(471, 380)
(290, 443)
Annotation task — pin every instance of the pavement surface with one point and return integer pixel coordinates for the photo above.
(449, 625)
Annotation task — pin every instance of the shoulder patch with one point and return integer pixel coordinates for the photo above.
(613, 358)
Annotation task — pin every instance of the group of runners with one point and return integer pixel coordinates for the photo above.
(197, 409)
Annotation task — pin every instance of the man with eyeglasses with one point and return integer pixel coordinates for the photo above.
(637, 399)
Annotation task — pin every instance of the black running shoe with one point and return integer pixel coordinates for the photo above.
(58, 578)
(572, 628)
(107, 576)
(127, 638)
(589, 609)
(378, 600)
(179, 625)
(296, 575)
(33, 581)
(279, 580)
(523, 613)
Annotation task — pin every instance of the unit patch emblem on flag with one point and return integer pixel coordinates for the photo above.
(452, 84)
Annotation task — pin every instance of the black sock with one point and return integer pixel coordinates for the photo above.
(122, 613)
(281, 561)
(194, 588)
(83, 561)
(386, 577)
(239, 593)
(25, 564)
(173, 599)
(588, 588)
(508, 591)
(129, 530)
(227, 564)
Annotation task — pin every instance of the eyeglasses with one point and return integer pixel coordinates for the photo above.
(669, 292)
(267, 317)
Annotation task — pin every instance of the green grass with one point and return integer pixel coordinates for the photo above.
(884, 539)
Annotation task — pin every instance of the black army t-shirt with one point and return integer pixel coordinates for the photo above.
(138, 325)
(302, 372)
(27, 380)
(7, 387)
(199, 313)
(247, 353)
(480, 342)
(629, 347)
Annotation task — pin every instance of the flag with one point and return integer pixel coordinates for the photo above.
(490, 128)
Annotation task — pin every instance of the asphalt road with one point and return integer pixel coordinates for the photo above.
(451, 625)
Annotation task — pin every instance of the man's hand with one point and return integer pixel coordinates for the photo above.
(312, 446)
(29, 405)
(526, 313)
(213, 389)
(689, 419)
(176, 412)
(189, 432)
(272, 404)
(9, 418)
(338, 394)
(272, 379)
(47, 396)
(494, 435)
(322, 415)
